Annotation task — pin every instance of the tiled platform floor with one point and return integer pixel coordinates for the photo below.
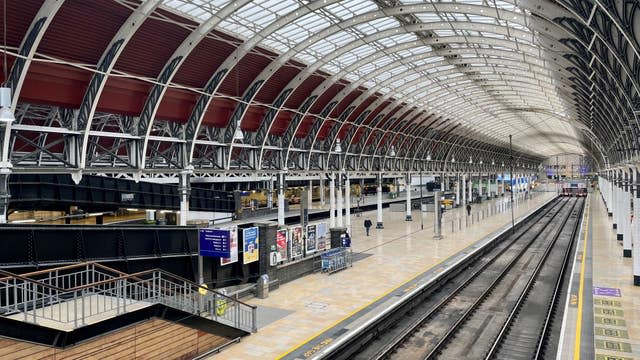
(615, 307)
(399, 252)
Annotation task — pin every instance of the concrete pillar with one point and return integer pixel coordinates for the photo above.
(184, 189)
(332, 200)
(339, 202)
(379, 224)
(636, 228)
(480, 185)
(347, 202)
(626, 215)
(281, 198)
(464, 189)
(408, 216)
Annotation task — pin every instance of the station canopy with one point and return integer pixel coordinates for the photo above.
(289, 77)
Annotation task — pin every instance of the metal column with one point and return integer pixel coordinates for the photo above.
(458, 190)
(636, 227)
(339, 200)
(407, 187)
(347, 202)
(281, 199)
(437, 221)
(4, 194)
(626, 215)
(332, 200)
(470, 197)
(184, 190)
(464, 190)
(379, 224)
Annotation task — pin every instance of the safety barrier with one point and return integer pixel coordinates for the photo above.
(73, 296)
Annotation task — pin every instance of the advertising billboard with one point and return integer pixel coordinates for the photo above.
(233, 240)
(250, 238)
(295, 242)
(311, 239)
(281, 243)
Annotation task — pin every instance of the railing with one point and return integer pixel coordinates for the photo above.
(74, 296)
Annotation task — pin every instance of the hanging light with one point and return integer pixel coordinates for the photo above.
(480, 162)
(453, 159)
(338, 146)
(393, 151)
(238, 135)
(428, 157)
(493, 162)
(6, 114)
(470, 160)
(503, 164)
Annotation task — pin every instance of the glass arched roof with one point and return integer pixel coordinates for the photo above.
(477, 62)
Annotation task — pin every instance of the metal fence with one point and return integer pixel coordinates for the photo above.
(77, 295)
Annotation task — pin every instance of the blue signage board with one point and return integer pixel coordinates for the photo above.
(215, 243)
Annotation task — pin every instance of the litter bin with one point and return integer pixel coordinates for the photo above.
(262, 287)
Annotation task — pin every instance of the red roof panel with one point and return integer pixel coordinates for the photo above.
(82, 30)
(203, 62)
(151, 48)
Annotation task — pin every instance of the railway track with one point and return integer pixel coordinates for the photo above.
(498, 305)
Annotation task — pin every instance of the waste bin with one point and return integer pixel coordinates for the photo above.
(262, 287)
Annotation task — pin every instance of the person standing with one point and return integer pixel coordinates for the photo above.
(367, 225)
(468, 209)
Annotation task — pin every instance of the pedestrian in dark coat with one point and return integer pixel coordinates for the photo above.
(367, 225)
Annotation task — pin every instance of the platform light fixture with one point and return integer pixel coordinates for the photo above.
(493, 162)
(428, 157)
(338, 146)
(238, 135)
(6, 113)
(392, 153)
(453, 159)
(480, 162)
(470, 160)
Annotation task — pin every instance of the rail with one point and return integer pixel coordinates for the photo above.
(77, 295)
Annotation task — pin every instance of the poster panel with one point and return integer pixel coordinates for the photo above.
(295, 241)
(251, 241)
(311, 239)
(281, 243)
(214, 242)
(234, 247)
(323, 237)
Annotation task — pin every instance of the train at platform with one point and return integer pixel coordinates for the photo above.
(574, 189)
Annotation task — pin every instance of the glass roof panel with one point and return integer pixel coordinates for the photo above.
(454, 63)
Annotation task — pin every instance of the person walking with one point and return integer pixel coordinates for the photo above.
(468, 209)
(367, 225)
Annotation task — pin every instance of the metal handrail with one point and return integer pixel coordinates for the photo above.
(35, 297)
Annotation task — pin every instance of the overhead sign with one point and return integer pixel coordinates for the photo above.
(215, 243)
(234, 247)
(251, 242)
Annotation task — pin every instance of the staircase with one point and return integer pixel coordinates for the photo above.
(72, 297)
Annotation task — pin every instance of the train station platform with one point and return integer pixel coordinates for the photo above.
(303, 316)
(602, 310)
